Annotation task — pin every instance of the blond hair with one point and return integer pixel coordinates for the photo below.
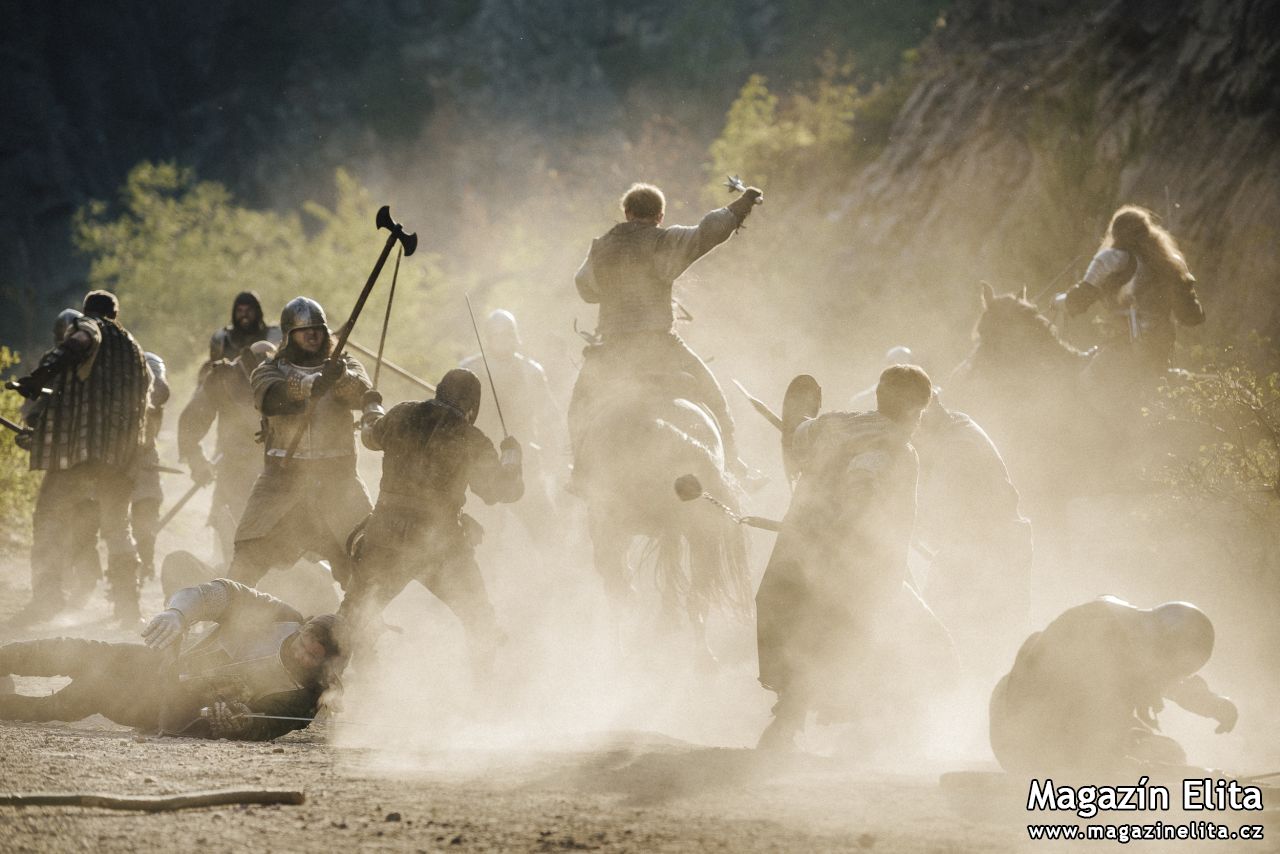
(643, 201)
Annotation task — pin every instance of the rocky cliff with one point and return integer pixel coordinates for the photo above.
(1032, 121)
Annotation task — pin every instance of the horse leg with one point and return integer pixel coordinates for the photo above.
(609, 548)
(704, 563)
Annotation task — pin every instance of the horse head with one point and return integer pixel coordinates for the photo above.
(1012, 333)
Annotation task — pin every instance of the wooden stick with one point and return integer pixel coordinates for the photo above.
(155, 804)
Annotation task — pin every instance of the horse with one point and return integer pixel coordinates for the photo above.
(1068, 421)
(642, 434)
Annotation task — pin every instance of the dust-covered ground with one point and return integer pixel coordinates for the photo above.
(591, 736)
(383, 786)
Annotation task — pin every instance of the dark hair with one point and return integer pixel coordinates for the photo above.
(903, 390)
(101, 304)
(330, 631)
(643, 201)
(462, 389)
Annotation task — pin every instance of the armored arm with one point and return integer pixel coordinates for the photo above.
(221, 599)
(1107, 273)
(373, 423)
(350, 386)
(278, 390)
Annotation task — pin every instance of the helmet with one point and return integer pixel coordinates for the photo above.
(1186, 633)
(63, 322)
(897, 355)
(301, 313)
(461, 388)
(501, 331)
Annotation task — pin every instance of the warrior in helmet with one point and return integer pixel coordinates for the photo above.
(527, 408)
(247, 327)
(225, 395)
(629, 273)
(310, 502)
(432, 453)
(88, 436)
(1083, 694)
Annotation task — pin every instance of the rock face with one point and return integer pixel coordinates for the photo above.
(1034, 120)
(1031, 121)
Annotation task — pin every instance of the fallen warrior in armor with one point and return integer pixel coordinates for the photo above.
(256, 675)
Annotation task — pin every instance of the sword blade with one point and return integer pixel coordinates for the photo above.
(492, 388)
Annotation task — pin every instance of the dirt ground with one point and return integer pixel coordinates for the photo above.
(407, 766)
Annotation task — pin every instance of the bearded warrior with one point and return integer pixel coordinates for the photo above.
(307, 503)
(247, 327)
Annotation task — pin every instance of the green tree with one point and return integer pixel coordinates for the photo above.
(175, 249)
(18, 484)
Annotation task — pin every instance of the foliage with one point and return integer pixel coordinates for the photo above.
(821, 128)
(18, 484)
(177, 249)
(1240, 403)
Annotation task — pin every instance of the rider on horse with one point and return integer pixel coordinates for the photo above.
(629, 273)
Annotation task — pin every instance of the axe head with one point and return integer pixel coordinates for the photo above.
(383, 220)
(688, 487)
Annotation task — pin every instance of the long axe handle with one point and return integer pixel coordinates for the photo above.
(410, 242)
(393, 367)
(17, 428)
(186, 496)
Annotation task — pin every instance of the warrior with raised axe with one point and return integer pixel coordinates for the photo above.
(87, 438)
(833, 597)
(261, 672)
(529, 410)
(432, 454)
(310, 500)
(1084, 694)
(629, 272)
(248, 326)
(224, 395)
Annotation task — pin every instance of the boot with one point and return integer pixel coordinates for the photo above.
(122, 583)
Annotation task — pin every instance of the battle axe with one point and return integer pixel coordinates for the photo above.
(409, 242)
